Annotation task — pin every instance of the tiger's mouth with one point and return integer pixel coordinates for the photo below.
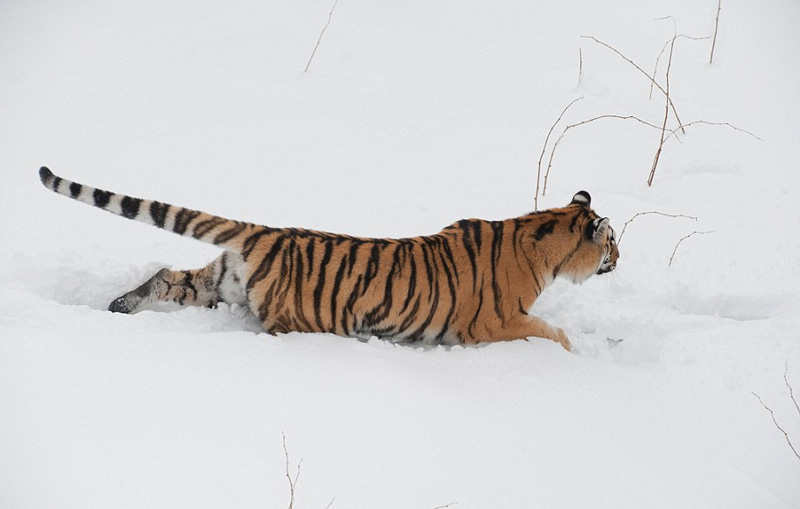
(607, 266)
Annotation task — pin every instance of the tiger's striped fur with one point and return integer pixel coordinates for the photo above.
(472, 282)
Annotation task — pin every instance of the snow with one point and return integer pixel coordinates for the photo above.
(412, 115)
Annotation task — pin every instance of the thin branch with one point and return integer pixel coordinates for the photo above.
(330, 503)
(544, 147)
(629, 221)
(651, 78)
(772, 414)
(666, 117)
(292, 482)
(726, 124)
(716, 28)
(578, 124)
(445, 506)
(330, 15)
(664, 49)
(580, 65)
(791, 392)
(684, 238)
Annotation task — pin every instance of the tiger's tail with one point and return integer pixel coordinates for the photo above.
(209, 228)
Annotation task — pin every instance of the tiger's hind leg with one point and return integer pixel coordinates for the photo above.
(220, 281)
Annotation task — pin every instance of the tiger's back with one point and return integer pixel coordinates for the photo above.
(472, 282)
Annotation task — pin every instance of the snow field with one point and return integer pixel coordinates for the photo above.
(412, 115)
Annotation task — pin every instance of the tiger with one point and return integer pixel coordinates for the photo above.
(473, 282)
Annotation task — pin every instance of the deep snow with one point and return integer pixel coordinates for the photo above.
(413, 114)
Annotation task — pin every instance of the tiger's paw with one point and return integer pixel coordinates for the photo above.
(121, 305)
(563, 339)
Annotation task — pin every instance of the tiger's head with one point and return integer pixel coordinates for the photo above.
(597, 253)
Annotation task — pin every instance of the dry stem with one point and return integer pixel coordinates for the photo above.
(666, 116)
(651, 78)
(661, 54)
(330, 15)
(544, 147)
(684, 238)
(572, 126)
(292, 482)
(716, 28)
(629, 221)
(695, 122)
(772, 414)
(791, 392)
(580, 65)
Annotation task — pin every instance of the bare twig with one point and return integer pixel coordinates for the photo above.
(445, 506)
(666, 116)
(772, 414)
(684, 238)
(292, 482)
(651, 78)
(544, 147)
(330, 15)
(791, 392)
(330, 503)
(703, 122)
(578, 124)
(580, 65)
(716, 28)
(664, 49)
(629, 221)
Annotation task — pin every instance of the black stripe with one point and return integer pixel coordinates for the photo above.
(182, 220)
(337, 283)
(428, 270)
(381, 311)
(412, 315)
(351, 301)
(412, 282)
(227, 235)
(310, 254)
(57, 183)
(418, 333)
(497, 242)
(264, 267)
(353, 254)
(466, 238)
(158, 211)
(476, 233)
(75, 189)
(451, 286)
(449, 254)
(205, 226)
(326, 258)
(130, 206)
(297, 274)
(372, 265)
(545, 229)
(574, 221)
(474, 320)
(222, 270)
(249, 243)
(101, 198)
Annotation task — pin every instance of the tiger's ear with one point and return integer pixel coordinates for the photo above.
(581, 198)
(596, 230)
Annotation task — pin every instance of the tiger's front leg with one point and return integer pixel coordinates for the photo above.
(219, 281)
(523, 326)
